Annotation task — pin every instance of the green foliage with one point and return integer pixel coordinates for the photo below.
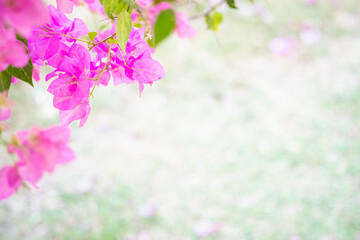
(24, 74)
(123, 28)
(92, 35)
(114, 7)
(159, 1)
(138, 25)
(165, 24)
(231, 3)
(5, 81)
(119, 7)
(214, 20)
(111, 41)
(107, 4)
(22, 39)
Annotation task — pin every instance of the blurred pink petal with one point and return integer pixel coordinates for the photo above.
(65, 6)
(147, 210)
(9, 181)
(143, 236)
(311, 2)
(183, 28)
(310, 35)
(5, 106)
(204, 228)
(283, 46)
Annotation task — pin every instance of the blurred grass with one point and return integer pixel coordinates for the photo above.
(268, 146)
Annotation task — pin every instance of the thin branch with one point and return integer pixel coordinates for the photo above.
(95, 44)
(207, 13)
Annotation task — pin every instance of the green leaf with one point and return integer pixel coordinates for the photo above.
(111, 41)
(150, 42)
(214, 20)
(92, 35)
(24, 74)
(123, 28)
(138, 25)
(159, 1)
(114, 7)
(231, 3)
(165, 24)
(22, 39)
(119, 6)
(108, 4)
(5, 81)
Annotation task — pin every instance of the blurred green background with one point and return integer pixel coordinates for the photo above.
(255, 145)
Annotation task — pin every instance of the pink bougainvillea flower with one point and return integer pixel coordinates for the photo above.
(75, 65)
(23, 15)
(10, 181)
(76, 72)
(12, 51)
(71, 87)
(65, 6)
(55, 44)
(283, 46)
(80, 112)
(183, 28)
(68, 91)
(143, 69)
(49, 41)
(39, 151)
(204, 228)
(133, 66)
(5, 106)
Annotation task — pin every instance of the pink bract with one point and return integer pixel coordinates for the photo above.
(12, 51)
(283, 46)
(9, 181)
(65, 6)
(50, 39)
(183, 28)
(39, 151)
(5, 106)
(205, 228)
(23, 15)
(81, 112)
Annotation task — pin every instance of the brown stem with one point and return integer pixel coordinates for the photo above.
(102, 41)
(207, 13)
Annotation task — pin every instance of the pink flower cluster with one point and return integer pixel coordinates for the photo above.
(78, 67)
(39, 151)
(18, 16)
(76, 73)
(134, 65)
